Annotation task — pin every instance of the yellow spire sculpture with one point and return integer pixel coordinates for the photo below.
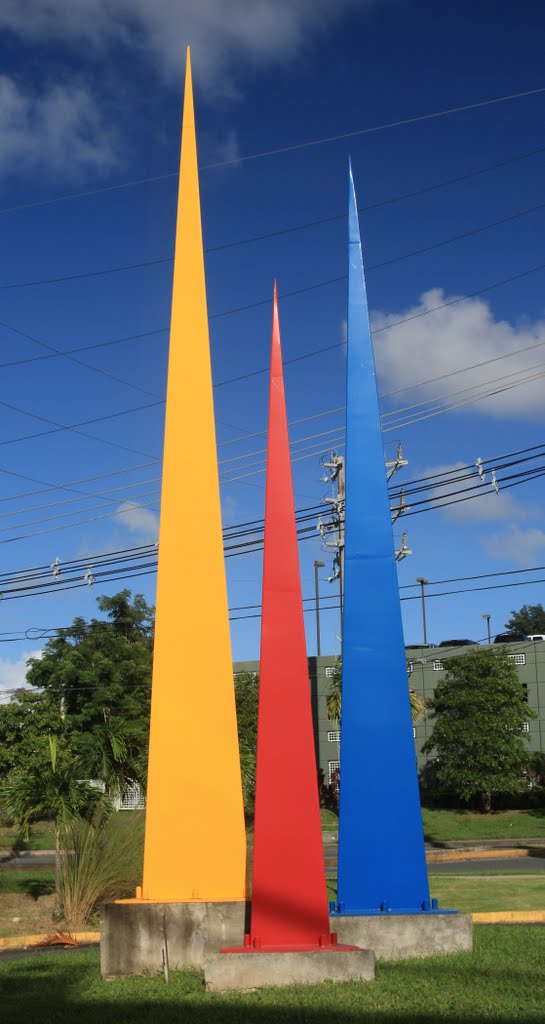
(195, 845)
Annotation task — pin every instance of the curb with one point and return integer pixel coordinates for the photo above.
(21, 941)
(453, 855)
(510, 917)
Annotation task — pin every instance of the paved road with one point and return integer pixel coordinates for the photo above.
(524, 865)
(38, 860)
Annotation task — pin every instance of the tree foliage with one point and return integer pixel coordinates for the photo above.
(479, 710)
(334, 698)
(247, 699)
(98, 675)
(529, 619)
(26, 722)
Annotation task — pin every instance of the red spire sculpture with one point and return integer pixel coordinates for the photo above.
(289, 901)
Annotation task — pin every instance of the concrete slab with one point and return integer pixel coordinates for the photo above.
(406, 936)
(132, 935)
(224, 972)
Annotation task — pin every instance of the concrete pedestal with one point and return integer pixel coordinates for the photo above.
(404, 936)
(225, 972)
(132, 935)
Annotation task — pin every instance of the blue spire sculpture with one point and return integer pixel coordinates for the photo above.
(382, 862)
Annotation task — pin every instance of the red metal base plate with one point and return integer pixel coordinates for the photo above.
(289, 949)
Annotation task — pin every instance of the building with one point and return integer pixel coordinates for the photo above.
(425, 666)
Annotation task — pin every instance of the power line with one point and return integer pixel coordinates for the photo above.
(376, 128)
(163, 260)
(275, 152)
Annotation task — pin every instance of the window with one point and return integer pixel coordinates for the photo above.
(330, 671)
(526, 727)
(334, 737)
(133, 798)
(437, 665)
(410, 667)
(333, 767)
(519, 659)
(524, 692)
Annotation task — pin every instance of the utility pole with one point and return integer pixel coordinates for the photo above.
(422, 582)
(488, 617)
(336, 476)
(317, 565)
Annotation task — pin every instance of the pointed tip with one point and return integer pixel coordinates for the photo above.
(188, 75)
(276, 347)
(189, 116)
(353, 221)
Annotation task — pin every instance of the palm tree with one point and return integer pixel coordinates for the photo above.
(52, 791)
(334, 699)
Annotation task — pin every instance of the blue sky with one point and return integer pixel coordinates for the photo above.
(90, 98)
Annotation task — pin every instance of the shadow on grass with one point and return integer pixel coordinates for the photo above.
(73, 992)
(536, 812)
(36, 887)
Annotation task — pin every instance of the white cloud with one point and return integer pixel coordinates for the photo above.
(486, 507)
(220, 32)
(59, 128)
(521, 547)
(139, 520)
(456, 336)
(13, 673)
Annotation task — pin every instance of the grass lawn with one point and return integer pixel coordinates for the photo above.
(42, 837)
(472, 894)
(26, 901)
(484, 893)
(330, 820)
(440, 826)
(502, 980)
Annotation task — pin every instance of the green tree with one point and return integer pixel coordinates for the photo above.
(247, 699)
(528, 620)
(26, 722)
(98, 674)
(479, 710)
(49, 791)
(334, 698)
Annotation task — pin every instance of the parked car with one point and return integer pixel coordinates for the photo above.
(418, 647)
(458, 643)
(510, 638)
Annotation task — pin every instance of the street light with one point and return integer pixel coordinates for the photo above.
(317, 565)
(422, 582)
(488, 617)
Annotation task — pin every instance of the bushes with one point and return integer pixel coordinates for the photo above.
(101, 861)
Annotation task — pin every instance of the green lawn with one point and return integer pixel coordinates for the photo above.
(42, 837)
(485, 893)
(29, 881)
(481, 893)
(440, 826)
(502, 980)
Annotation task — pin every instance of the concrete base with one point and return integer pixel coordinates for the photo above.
(132, 935)
(224, 972)
(403, 936)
